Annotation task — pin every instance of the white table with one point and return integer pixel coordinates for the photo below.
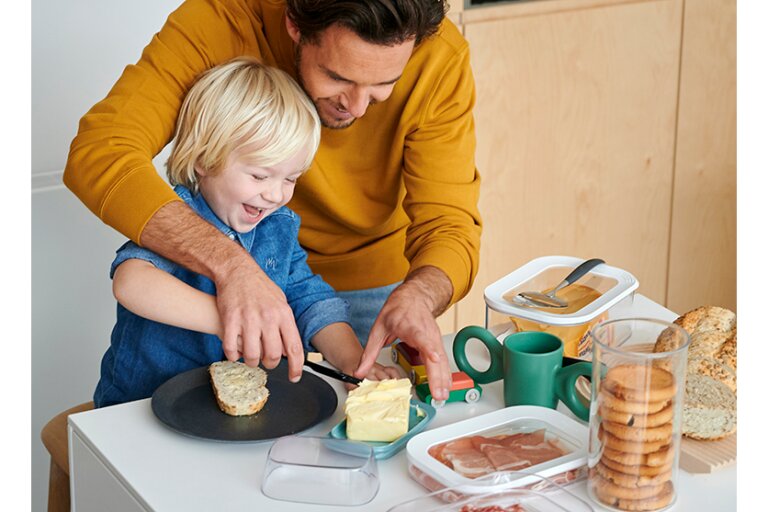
(122, 458)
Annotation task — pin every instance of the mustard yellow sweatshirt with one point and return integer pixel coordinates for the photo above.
(396, 191)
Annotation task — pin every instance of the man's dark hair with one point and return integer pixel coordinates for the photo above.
(383, 22)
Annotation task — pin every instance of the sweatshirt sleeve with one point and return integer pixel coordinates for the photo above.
(442, 183)
(110, 160)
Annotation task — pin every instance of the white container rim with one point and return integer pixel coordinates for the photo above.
(626, 283)
(418, 455)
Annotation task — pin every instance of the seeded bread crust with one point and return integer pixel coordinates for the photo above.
(239, 389)
(709, 408)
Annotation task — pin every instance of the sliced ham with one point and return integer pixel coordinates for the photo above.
(475, 456)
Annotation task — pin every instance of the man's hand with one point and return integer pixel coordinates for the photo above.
(258, 323)
(409, 314)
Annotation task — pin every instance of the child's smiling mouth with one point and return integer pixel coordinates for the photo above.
(252, 213)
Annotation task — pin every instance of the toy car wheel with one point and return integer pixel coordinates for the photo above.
(472, 396)
(393, 354)
(436, 403)
(412, 376)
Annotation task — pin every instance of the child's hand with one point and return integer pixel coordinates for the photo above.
(379, 372)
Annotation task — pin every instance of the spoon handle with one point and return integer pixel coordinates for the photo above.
(582, 269)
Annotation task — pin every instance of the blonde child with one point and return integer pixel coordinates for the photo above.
(246, 132)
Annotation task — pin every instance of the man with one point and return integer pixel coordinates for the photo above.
(389, 215)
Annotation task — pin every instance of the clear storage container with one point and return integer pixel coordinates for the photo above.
(532, 439)
(636, 413)
(543, 495)
(604, 288)
(320, 470)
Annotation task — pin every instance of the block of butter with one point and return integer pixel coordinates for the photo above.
(378, 410)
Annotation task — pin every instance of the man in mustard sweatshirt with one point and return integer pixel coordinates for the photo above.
(389, 206)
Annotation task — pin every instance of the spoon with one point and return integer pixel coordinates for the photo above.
(550, 300)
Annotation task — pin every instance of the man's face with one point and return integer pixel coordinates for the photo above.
(343, 74)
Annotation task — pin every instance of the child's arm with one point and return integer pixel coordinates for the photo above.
(339, 346)
(156, 295)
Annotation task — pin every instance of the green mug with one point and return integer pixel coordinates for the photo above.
(531, 365)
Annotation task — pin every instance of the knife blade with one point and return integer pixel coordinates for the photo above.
(329, 372)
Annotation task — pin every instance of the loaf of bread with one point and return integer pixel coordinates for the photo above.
(709, 408)
(240, 390)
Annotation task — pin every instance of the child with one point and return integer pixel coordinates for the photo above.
(245, 134)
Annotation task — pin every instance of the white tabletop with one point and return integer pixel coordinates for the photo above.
(166, 471)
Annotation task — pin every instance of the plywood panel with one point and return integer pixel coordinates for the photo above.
(703, 246)
(575, 124)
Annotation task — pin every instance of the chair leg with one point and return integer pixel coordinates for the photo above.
(58, 490)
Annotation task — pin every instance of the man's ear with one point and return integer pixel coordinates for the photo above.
(293, 30)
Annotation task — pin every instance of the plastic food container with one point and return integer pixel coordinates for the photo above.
(420, 416)
(590, 298)
(320, 470)
(543, 495)
(636, 411)
(526, 439)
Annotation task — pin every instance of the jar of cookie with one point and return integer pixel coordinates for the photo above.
(635, 414)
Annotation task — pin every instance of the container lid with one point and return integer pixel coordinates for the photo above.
(320, 470)
(543, 495)
(454, 455)
(420, 416)
(603, 287)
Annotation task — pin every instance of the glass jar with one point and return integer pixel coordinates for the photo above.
(636, 413)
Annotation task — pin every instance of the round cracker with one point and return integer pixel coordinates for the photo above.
(655, 503)
(612, 442)
(632, 480)
(639, 420)
(639, 434)
(617, 404)
(658, 458)
(639, 383)
(636, 469)
(604, 487)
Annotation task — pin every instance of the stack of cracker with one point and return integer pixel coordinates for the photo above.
(636, 409)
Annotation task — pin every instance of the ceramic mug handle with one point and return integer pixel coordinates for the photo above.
(565, 387)
(495, 371)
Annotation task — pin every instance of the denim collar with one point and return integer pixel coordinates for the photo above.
(198, 203)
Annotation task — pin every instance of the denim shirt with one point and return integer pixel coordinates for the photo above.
(143, 354)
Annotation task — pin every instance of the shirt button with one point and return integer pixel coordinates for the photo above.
(231, 236)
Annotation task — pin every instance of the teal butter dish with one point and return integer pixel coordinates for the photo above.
(420, 416)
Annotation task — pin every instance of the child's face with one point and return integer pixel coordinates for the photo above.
(242, 194)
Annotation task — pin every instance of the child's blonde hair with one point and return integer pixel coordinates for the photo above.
(239, 103)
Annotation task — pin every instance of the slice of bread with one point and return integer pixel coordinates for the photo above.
(239, 389)
(709, 409)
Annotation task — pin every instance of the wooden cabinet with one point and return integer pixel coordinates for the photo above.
(583, 148)
(702, 262)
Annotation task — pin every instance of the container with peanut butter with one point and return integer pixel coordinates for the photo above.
(603, 289)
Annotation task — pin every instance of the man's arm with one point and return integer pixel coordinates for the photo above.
(409, 314)
(256, 319)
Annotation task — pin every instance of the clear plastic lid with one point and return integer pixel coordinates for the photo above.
(320, 470)
(603, 287)
(543, 495)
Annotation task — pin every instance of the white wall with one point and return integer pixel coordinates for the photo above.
(79, 49)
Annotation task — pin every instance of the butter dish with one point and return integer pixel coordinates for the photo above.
(420, 415)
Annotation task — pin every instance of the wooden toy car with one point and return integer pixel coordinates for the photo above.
(409, 360)
(463, 389)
